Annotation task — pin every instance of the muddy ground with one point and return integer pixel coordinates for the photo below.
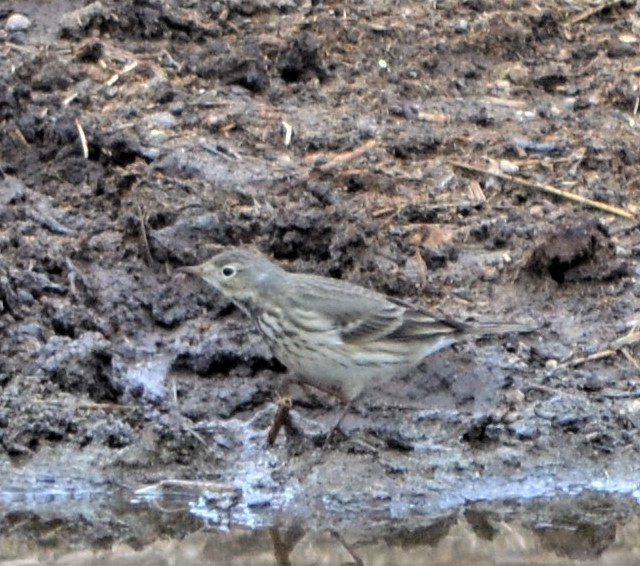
(369, 141)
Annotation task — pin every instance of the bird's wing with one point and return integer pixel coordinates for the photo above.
(355, 313)
(359, 315)
(420, 324)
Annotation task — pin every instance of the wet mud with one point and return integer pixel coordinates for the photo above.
(407, 147)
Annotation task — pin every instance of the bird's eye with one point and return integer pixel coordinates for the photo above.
(228, 271)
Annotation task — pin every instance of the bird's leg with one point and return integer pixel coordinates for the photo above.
(281, 418)
(337, 425)
(285, 404)
(348, 402)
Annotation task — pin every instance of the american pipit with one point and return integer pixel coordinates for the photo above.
(338, 337)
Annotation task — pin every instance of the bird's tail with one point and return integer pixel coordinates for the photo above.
(490, 327)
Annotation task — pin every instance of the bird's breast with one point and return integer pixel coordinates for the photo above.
(269, 325)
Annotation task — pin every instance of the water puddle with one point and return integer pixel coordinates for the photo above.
(219, 523)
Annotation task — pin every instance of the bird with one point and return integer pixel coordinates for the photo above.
(333, 335)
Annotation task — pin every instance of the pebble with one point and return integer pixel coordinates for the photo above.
(523, 431)
(17, 23)
(164, 120)
(24, 297)
(177, 108)
(462, 26)
(32, 329)
(593, 383)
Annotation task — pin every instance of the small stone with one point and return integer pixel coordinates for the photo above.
(509, 167)
(523, 431)
(177, 108)
(24, 297)
(593, 382)
(164, 120)
(17, 23)
(462, 26)
(30, 330)
(518, 74)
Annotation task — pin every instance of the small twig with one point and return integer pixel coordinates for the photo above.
(343, 158)
(507, 102)
(625, 352)
(49, 223)
(143, 238)
(106, 407)
(384, 211)
(601, 355)
(357, 561)
(630, 339)
(618, 395)
(83, 140)
(616, 346)
(219, 150)
(20, 136)
(74, 275)
(174, 391)
(200, 439)
(113, 79)
(548, 189)
(90, 406)
(70, 99)
(191, 485)
(586, 14)
(548, 390)
(170, 59)
(288, 133)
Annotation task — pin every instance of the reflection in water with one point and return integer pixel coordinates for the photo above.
(568, 531)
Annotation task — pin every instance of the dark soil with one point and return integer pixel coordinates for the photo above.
(115, 371)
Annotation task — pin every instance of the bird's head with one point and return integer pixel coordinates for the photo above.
(239, 274)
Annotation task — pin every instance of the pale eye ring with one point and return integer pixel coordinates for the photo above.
(228, 271)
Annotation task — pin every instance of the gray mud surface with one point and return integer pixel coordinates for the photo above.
(368, 141)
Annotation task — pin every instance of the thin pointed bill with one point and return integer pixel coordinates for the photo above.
(196, 270)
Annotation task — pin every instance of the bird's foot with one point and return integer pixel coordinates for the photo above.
(333, 433)
(336, 427)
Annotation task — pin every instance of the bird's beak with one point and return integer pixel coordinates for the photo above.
(196, 270)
